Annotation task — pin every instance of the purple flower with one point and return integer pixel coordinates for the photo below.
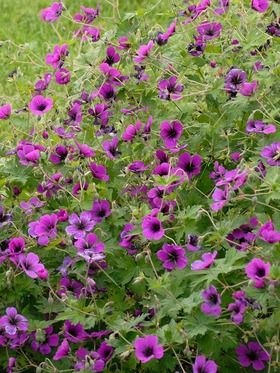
(11, 364)
(44, 340)
(209, 30)
(253, 355)
(258, 126)
(148, 348)
(74, 333)
(220, 198)
(212, 302)
(5, 111)
(110, 147)
(170, 132)
(105, 351)
(272, 154)
(90, 243)
(137, 167)
(260, 5)
(162, 38)
(128, 239)
(172, 257)
(190, 164)
(111, 56)
(273, 29)
(99, 172)
(62, 351)
(144, 52)
(85, 150)
(40, 105)
(100, 210)
(248, 89)
(131, 131)
(169, 89)
(52, 13)
(16, 245)
(79, 225)
(257, 270)
(241, 238)
(88, 16)
(72, 286)
(42, 84)
(29, 206)
(57, 58)
(87, 32)
(13, 322)
(75, 115)
(107, 92)
(206, 261)
(268, 233)
(44, 229)
(62, 76)
(31, 265)
(100, 113)
(192, 243)
(238, 309)
(202, 365)
(196, 48)
(234, 80)
(59, 154)
(152, 228)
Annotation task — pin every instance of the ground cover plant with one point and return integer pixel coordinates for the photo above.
(139, 186)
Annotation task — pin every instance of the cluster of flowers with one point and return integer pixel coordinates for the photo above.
(171, 169)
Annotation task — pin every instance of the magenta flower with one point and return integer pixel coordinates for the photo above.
(144, 52)
(88, 15)
(74, 333)
(89, 243)
(75, 116)
(57, 58)
(258, 126)
(107, 92)
(87, 32)
(162, 38)
(111, 147)
(44, 340)
(42, 84)
(257, 270)
(260, 5)
(137, 167)
(172, 257)
(152, 228)
(148, 348)
(79, 225)
(13, 322)
(212, 302)
(127, 239)
(5, 111)
(99, 172)
(209, 30)
(268, 233)
(202, 365)
(62, 351)
(16, 245)
(100, 210)
(190, 164)
(197, 47)
(193, 242)
(44, 229)
(253, 355)
(111, 56)
(101, 114)
(52, 13)
(169, 89)
(170, 132)
(62, 76)
(206, 261)
(237, 309)
(272, 154)
(40, 105)
(85, 150)
(248, 89)
(30, 205)
(31, 265)
(220, 198)
(28, 153)
(234, 81)
(59, 155)
(131, 131)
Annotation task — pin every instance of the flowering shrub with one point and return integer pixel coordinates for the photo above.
(140, 187)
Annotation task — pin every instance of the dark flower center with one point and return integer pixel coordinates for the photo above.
(260, 272)
(42, 106)
(81, 225)
(156, 227)
(189, 167)
(173, 256)
(172, 133)
(148, 351)
(110, 60)
(236, 80)
(101, 213)
(210, 32)
(252, 355)
(213, 298)
(73, 331)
